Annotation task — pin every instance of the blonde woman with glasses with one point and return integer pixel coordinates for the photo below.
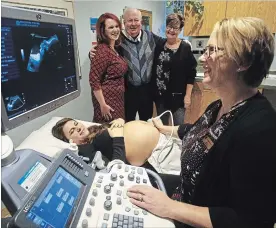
(228, 160)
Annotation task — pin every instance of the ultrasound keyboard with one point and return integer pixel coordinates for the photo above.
(72, 194)
(108, 205)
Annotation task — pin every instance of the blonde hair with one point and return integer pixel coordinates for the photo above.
(248, 42)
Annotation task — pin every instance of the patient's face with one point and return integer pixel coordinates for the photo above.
(76, 131)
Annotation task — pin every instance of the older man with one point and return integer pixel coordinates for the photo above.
(138, 49)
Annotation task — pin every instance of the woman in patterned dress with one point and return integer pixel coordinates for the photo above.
(228, 171)
(173, 73)
(107, 71)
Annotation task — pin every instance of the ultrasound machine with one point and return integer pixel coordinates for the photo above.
(39, 74)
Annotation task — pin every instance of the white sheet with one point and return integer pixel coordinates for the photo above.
(165, 157)
(44, 142)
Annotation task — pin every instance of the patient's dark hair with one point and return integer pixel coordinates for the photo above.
(94, 130)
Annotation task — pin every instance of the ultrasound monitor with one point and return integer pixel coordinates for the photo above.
(39, 67)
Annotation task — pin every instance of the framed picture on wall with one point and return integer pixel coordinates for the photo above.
(146, 20)
(52, 10)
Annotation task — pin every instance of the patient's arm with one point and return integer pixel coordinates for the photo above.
(118, 146)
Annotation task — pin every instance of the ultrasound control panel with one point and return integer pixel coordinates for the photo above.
(109, 206)
(73, 195)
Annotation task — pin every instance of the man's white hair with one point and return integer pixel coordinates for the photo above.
(128, 10)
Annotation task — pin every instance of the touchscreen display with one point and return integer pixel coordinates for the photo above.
(53, 207)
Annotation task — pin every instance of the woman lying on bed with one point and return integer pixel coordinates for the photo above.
(142, 142)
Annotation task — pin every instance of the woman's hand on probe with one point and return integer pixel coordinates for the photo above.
(157, 122)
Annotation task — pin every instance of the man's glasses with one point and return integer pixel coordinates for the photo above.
(209, 50)
(172, 28)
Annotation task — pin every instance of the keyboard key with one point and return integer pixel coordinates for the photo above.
(106, 217)
(140, 171)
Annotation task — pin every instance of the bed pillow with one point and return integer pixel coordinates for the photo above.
(44, 142)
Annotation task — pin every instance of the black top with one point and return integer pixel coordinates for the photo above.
(111, 148)
(198, 142)
(163, 70)
(237, 180)
(182, 69)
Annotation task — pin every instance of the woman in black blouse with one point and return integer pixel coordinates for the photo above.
(228, 161)
(173, 72)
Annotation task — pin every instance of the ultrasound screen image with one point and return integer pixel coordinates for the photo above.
(37, 62)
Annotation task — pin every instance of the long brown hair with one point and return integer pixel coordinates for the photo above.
(100, 28)
(94, 130)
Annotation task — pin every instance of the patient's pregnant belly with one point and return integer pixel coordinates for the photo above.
(140, 140)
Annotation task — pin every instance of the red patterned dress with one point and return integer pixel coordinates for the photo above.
(107, 73)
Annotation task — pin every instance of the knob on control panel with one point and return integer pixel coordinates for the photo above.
(84, 223)
(108, 205)
(130, 177)
(113, 176)
(119, 201)
(107, 189)
(92, 201)
(94, 192)
(88, 212)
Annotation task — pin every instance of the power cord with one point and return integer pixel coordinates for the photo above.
(158, 162)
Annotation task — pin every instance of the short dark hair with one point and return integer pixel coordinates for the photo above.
(57, 130)
(175, 19)
(100, 28)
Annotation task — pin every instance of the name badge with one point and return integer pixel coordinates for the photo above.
(208, 142)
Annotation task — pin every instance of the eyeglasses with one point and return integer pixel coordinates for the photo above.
(173, 28)
(210, 49)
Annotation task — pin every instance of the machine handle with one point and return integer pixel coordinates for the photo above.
(157, 180)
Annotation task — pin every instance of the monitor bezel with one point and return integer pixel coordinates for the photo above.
(24, 14)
